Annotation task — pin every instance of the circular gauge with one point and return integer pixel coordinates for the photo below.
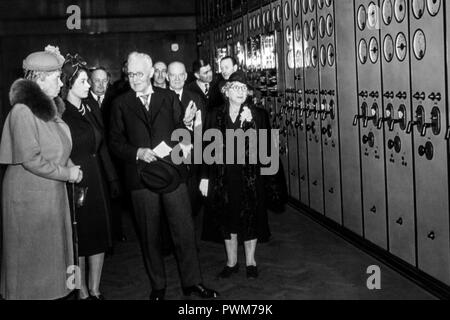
(330, 25)
(288, 35)
(296, 7)
(388, 48)
(387, 12)
(290, 59)
(420, 44)
(268, 16)
(312, 29)
(331, 55)
(287, 11)
(418, 8)
(322, 27)
(323, 56)
(328, 2)
(372, 13)
(297, 33)
(363, 51)
(400, 10)
(373, 50)
(258, 21)
(312, 5)
(320, 4)
(307, 57)
(306, 31)
(433, 6)
(278, 13)
(274, 15)
(305, 6)
(314, 57)
(264, 19)
(362, 17)
(401, 46)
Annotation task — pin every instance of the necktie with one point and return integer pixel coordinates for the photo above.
(144, 99)
(99, 101)
(179, 96)
(206, 89)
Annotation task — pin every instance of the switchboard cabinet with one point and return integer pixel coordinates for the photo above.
(429, 99)
(398, 143)
(327, 113)
(313, 123)
(370, 91)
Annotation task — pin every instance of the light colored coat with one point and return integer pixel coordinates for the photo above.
(37, 234)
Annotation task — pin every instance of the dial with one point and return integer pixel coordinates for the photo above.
(296, 7)
(328, 2)
(312, 29)
(274, 15)
(330, 25)
(363, 51)
(322, 27)
(323, 56)
(258, 21)
(373, 50)
(264, 19)
(331, 55)
(305, 6)
(418, 8)
(290, 59)
(297, 33)
(387, 12)
(268, 16)
(306, 31)
(433, 6)
(373, 15)
(320, 3)
(400, 10)
(362, 17)
(287, 11)
(420, 44)
(312, 5)
(278, 13)
(307, 57)
(401, 46)
(314, 57)
(388, 48)
(288, 35)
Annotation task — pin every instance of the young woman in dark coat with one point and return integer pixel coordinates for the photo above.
(235, 209)
(90, 152)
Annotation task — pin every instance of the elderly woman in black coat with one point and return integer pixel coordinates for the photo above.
(235, 209)
(90, 152)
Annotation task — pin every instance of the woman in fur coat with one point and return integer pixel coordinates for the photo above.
(35, 146)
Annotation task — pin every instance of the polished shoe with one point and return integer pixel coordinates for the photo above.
(228, 271)
(158, 295)
(96, 297)
(201, 291)
(252, 272)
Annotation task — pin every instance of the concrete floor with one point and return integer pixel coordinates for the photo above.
(303, 261)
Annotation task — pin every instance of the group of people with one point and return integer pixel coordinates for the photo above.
(69, 146)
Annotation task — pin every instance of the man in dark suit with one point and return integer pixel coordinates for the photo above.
(142, 119)
(177, 76)
(99, 101)
(203, 74)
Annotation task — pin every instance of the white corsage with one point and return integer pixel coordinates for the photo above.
(55, 51)
(246, 115)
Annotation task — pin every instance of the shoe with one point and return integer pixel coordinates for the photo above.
(228, 271)
(96, 297)
(252, 272)
(158, 295)
(201, 291)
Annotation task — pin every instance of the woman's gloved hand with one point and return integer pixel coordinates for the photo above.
(204, 187)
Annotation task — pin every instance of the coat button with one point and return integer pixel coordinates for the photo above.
(94, 155)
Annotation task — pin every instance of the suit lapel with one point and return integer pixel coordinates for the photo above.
(156, 103)
(138, 108)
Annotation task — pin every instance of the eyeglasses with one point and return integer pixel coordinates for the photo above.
(138, 75)
(177, 76)
(239, 88)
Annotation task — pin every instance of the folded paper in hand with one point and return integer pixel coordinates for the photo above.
(162, 150)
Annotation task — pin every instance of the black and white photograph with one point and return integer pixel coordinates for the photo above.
(224, 156)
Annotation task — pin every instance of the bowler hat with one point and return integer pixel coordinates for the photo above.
(159, 176)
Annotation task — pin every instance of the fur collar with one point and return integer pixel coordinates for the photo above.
(30, 94)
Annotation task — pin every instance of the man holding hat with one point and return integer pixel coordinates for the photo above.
(142, 121)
